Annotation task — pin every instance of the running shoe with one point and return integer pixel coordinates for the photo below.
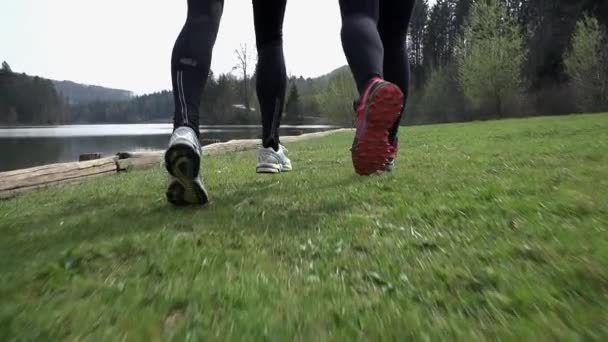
(183, 160)
(377, 112)
(271, 161)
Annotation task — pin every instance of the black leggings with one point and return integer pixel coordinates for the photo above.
(271, 80)
(374, 35)
(191, 61)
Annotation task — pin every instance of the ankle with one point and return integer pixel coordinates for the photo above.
(271, 143)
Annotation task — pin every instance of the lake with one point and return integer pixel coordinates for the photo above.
(24, 147)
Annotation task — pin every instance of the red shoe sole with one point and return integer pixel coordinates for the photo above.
(372, 148)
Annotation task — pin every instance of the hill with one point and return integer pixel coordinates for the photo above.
(33, 100)
(28, 100)
(76, 93)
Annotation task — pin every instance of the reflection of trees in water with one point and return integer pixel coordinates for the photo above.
(28, 152)
(22, 153)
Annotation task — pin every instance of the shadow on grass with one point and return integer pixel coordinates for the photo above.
(127, 212)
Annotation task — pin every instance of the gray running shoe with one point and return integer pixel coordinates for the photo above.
(390, 165)
(271, 161)
(183, 160)
(391, 162)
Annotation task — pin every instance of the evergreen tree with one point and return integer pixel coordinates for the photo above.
(294, 106)
(6, 68)
(437, 49)
(417, 32)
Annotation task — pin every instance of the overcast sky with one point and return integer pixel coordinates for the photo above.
(127, 43)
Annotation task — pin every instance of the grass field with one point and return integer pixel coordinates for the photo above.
(495, 230)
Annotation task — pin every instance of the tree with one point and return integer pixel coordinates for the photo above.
(490, 58)
(442, 99)
(462, 10)
(587, 65)
(6, 68)
(437, 50)
(549, 28)
(209, 98)
(11, 117)
(294, 106)
(336, 100)
(417, 33)
(244, 60)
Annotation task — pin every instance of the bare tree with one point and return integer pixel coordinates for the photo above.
(245, 60)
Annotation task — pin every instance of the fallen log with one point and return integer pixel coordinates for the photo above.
(16, 182)
(13, 183)
(90, 156)
(8, 194)
(128, 161)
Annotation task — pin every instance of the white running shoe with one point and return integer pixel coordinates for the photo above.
(183, 160)
(271, 161)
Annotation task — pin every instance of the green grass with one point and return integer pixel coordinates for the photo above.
(494, 230)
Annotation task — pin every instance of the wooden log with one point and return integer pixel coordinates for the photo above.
(89, 156)
(315, 135)
(34, 178)
(128, 161)
(205, 141)
(8, 194)
(230, 146)
(30, 170)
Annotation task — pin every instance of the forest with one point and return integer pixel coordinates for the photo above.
(469, 60)
(491, 59)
